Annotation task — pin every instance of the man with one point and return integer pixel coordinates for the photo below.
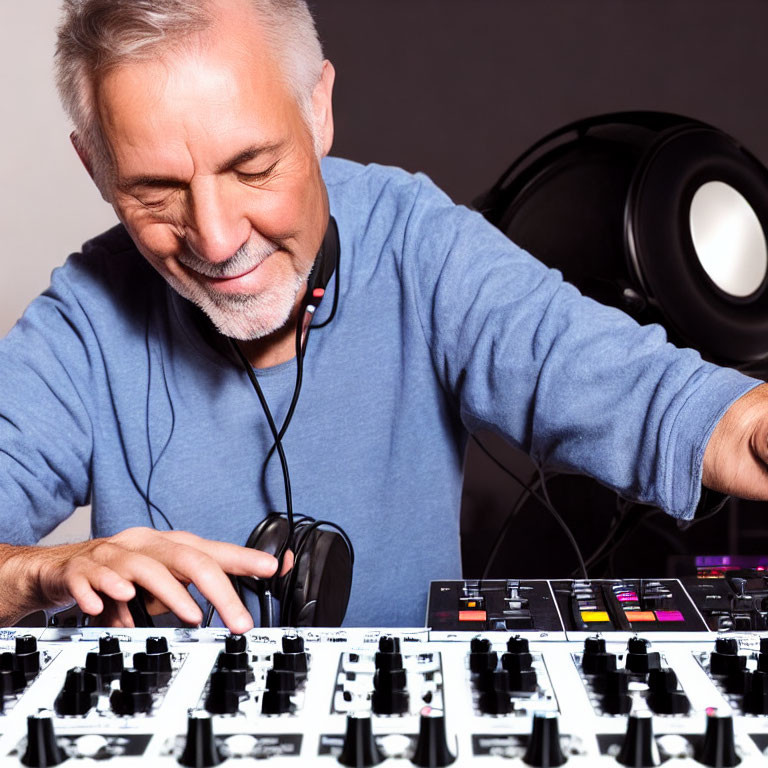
(203, 123)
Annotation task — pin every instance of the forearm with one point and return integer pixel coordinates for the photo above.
(20, 587)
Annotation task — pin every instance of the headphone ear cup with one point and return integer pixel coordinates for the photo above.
(318, 587)
(270, 534)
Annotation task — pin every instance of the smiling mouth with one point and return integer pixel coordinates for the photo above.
(227, 278)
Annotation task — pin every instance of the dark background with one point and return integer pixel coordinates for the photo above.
(458, 89)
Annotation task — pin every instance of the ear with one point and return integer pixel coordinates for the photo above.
(85, 159)
(322, 108)
(82, 154)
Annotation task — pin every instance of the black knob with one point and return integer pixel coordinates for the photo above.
(517, 644)
(12, 680)
(764, 645)
(235, 653)
(133, 696)
(390, 696)
(78, 694)
(598, 663)
(42, 750)
(544, 749)
(292, 662)
(593, 645)
(639, 659)
(293, 656)
(521, 677)
(156, 645)
(432, 745)
(719, 749)
(223, 695)
(639, 748)
(388, 661)
(293, 643)
(276, 699)
(482, 661)
(389, 644)
(495, 692)
(725, 659)
(155, 662)
(27, 657)
(615, 686)
(360, 749)
(756, 693)
(107, 664)
(480, 645)
(200, 750)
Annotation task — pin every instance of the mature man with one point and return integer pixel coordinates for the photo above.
(203, 122)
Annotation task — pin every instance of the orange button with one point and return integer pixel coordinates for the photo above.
(640, 615)
(471, 615)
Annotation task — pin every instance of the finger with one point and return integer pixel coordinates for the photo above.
(124, 615)
(110, 583)
(287, 562)
(234, 559)
(214, 584)
(84, 595)
(157, 579)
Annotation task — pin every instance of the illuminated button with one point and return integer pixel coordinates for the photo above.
(640, 616)
(588, 616)
(472, 615)
(627, 598)
(670, 616)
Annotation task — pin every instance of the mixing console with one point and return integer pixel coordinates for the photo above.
(630, 692)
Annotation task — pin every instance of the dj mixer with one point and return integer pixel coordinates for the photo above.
(579, 673)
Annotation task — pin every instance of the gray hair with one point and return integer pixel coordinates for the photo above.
(95, 36)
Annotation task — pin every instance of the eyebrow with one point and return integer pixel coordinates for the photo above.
(243, 156)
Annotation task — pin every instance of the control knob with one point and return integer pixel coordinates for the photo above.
(360, 749)
(200, 750)
(42, 750)
(639, 748)
(719, 749)
(432, 745)
(544, 749)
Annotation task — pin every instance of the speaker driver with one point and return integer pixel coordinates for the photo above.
(728, 239)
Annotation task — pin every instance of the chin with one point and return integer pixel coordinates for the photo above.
(245, 317)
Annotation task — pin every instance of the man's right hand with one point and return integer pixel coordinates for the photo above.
(99, 575)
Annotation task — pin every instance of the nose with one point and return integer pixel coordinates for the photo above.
(217, 226)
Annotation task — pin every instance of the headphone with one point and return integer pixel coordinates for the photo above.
(315, 592)
(624, 189)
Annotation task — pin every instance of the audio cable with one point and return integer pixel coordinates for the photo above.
(544, 500)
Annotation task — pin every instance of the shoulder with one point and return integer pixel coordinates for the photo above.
(108, 264)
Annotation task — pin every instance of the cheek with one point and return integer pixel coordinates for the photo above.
(158, 244)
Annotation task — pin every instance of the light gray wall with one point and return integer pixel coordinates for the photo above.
(48, 205)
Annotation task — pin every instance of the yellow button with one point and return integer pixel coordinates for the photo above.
(594, 616)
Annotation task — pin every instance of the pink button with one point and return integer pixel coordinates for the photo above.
(670, 616)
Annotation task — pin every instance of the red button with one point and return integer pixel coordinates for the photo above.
(471, 615)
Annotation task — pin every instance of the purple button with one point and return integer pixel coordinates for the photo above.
(627, 598)
(670, 616)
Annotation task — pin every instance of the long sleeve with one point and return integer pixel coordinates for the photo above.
(45, 429)
(578, 385)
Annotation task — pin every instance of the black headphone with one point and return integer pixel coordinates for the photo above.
(620, 189)
(315, 592)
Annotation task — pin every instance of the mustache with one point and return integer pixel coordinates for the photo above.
(247, 257)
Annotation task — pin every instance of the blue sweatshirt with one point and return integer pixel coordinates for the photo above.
(110, 394)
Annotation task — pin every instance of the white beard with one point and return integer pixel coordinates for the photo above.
(242, 316)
